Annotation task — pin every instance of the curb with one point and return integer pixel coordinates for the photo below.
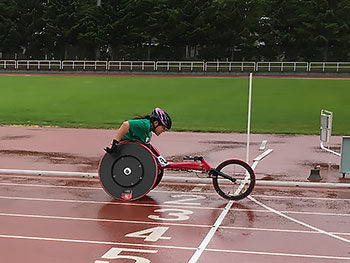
(178, 179)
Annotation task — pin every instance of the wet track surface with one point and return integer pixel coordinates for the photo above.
(79, 150)
(70, 220)
(55, 219)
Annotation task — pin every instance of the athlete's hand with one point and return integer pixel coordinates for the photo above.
(113, 148)
(162, 161)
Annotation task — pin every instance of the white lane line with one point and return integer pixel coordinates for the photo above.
(280, 230)
(101, 220)
(301, 198)
(95, 242)
(177, 192)
(314, 213)
(112, 202)
(165, 205)
(162, 223)
(210, 234)
(52, 186)
(298, 221)
(198, 188)
(277, 254)
(260, 157)
(262, 145)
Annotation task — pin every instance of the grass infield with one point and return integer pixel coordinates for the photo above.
(279, 105)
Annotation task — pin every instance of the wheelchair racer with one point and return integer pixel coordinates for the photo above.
(140, 130)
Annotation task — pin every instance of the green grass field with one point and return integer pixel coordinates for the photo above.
(195, 104)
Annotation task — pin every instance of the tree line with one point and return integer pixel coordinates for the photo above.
(230, 30)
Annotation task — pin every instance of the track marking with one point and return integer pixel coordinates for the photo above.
(94, 242)
(112, 202)
(52, 186)
(280, 230)
(260, 157)
(210, 234)
(163, 205)
(161, 223)
(276, 254)
(101, 220)
(301, 197)
(173, 192)
(298, 221)
(263, 145)
(198, 188)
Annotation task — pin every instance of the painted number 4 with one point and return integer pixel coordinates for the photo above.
(151, 234)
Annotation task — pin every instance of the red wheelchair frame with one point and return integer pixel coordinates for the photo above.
(233, 179)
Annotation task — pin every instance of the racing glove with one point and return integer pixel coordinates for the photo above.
(162, 162)
(113, 148)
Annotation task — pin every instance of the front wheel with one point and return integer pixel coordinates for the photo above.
(240, 186)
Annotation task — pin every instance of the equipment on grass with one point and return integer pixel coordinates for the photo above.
(345, 156)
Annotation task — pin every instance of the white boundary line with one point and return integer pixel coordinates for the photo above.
(180, 179)
(87, 219)
(301, 197)
(173, 192)
(280, 230)
(298, 221)
(165, 205)
(102, 220)
(276, 254)
(51, 186)
(210, 234)
(94, 242)
(47, 173)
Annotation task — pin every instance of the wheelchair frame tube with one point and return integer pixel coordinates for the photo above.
(202, 166)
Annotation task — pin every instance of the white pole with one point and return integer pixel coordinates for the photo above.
(249, 113)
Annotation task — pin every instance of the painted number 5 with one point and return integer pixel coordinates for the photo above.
(114, 253)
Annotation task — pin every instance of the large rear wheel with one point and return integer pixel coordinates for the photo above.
(128, 174)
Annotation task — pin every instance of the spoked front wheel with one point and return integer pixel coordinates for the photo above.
(239, 181)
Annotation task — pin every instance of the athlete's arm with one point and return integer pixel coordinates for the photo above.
(124, 128)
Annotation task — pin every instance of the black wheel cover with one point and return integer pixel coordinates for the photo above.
(128, 174)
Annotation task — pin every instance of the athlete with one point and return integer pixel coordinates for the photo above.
(140, 130)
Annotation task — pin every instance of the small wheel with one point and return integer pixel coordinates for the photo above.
(244, 184)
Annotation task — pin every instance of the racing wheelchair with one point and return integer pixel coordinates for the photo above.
(134, 170)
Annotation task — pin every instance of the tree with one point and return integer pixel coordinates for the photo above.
(235, 27)
(330, 27)
(144, 22)
(113, 29)
(189, 24)
(280, 29)
(22, 27)
(9, 36)
(61, 26)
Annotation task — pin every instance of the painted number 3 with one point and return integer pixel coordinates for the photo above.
(172, 214)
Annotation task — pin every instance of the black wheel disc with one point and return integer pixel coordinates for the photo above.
(130, 173)
(127, 171)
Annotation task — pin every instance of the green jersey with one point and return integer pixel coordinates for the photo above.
(139, 131)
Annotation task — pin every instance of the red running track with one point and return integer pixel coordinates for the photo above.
(73, 220)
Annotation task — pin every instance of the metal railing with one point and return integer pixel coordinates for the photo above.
(282, 66)
(174, 66)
